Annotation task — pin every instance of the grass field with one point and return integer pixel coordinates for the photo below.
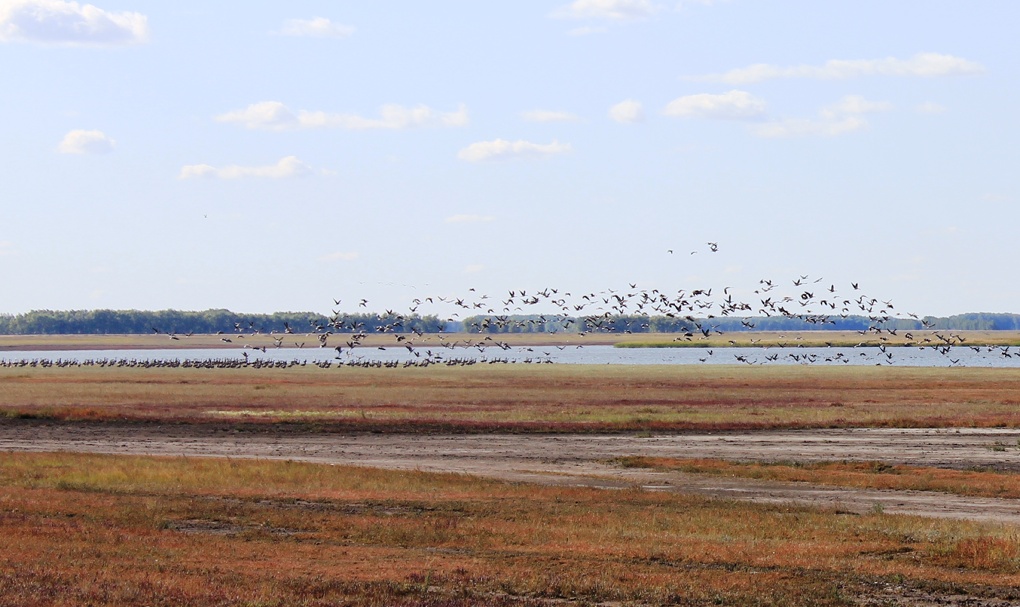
(123, 530)
(109, 530)
(860, 475)
(549, 398)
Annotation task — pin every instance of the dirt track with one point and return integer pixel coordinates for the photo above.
(584, 460)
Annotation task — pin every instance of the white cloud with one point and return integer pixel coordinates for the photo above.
(275, 116)
(467, 218)
(734, 105)
(6, 248)
(318, 27)
(930, 107)
(841, 118)
(627, 112)
(501, 149)
(548, 116)
(86, 142)
(854, 104)
(341, 256)
(922, 64)
(458, 118)
(194, 171)
(613, 10)
(286, 167)
(69, 23)
(269, 115)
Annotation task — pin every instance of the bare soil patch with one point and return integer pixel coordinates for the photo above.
(584, 460)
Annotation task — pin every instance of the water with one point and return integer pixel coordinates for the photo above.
(962, 356)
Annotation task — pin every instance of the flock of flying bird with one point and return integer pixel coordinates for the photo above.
(694, 314)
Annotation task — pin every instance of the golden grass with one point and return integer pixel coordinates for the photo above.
(549, 398)
(106, 530)
(860, 475)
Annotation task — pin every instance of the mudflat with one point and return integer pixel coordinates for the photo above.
(583, 460)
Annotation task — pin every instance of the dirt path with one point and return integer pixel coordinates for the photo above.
(584, 460)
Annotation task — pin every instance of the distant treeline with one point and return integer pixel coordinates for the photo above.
(536, 323)
(100, 322)
(108, 322)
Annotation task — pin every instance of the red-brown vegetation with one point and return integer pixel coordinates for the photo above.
(524, 399)
(860, 475)
(109, 530)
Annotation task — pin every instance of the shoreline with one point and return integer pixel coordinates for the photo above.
(744, 339)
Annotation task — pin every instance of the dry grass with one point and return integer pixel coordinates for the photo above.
(551, 398)
(860, 475)
(106, 530)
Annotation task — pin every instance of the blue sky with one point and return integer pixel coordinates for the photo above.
(203, 155)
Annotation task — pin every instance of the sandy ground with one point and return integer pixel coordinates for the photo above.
(585, 460)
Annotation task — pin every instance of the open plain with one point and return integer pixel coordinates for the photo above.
(511, 485)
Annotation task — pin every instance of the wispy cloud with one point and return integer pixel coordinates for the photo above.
(340, 256)
(612, 10)
(317, 27)
(627, 112)
(854, 104)
(69, 23)
(6, 248)
(920, 65)
(289, 166)
(841, 118)
(468, 218)
(86, 142)
(734, 105)
(501, 149)
(549, 116)
(275, 116)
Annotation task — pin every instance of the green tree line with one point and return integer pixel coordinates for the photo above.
(100, 322)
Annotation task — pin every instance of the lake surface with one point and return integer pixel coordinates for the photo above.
(963, 356)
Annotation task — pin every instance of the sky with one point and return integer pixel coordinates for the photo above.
(268, 157)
